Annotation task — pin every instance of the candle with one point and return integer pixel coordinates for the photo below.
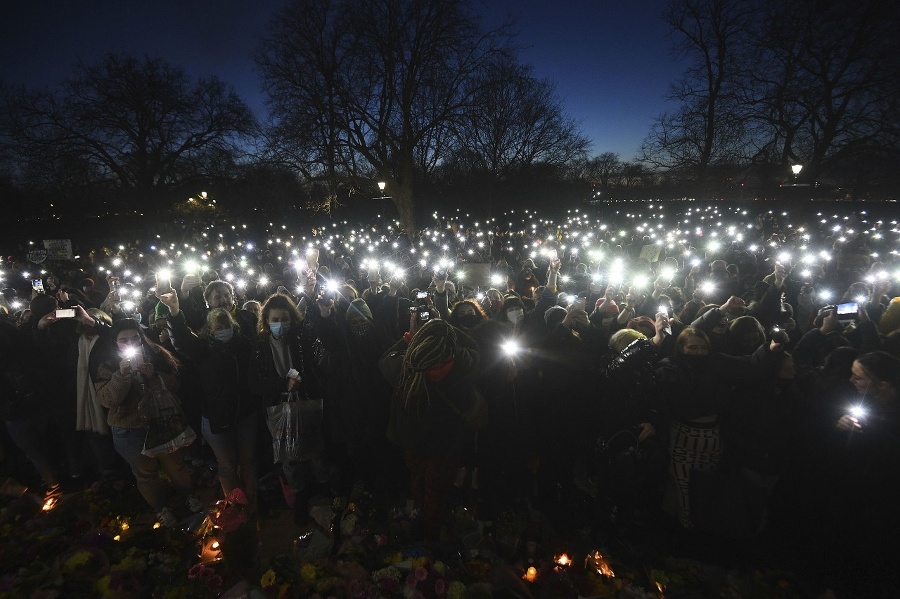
(531, 574)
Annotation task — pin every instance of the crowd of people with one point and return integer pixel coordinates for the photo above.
(712, 370)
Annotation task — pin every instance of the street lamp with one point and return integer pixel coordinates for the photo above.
(796, 168)
(381, 186)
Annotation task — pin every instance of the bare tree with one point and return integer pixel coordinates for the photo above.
(133, 124)
(396, 75)
(826, 77)
(516, 121)
(708, 126)
(603, 169)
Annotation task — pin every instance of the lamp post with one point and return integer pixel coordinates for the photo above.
(795, 169)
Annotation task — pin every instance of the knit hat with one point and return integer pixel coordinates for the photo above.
(360, 307)
(553, 316)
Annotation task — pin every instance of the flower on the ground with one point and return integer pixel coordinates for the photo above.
(267, 579)
(77, 560)
(308, 573)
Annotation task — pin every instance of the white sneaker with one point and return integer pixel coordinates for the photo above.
(166, 517)
(193, 503)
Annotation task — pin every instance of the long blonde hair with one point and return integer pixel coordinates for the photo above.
(432, 345)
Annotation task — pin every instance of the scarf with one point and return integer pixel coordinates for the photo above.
(89, 414)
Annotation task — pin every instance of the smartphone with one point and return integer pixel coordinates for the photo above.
(65, 313)
(850, 308)
(37, 285)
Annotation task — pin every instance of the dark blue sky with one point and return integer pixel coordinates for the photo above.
(609, 59)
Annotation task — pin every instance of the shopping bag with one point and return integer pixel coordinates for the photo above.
(296, 427)
(167, 427)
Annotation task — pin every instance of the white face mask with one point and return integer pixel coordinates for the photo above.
(515, 315)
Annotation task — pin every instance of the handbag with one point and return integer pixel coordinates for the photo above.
(167, 427)
(296, 427)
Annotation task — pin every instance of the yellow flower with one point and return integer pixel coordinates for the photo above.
(308, 573)
(440, 568)
(268, 578)
(456, 590)
(79, 559)
(283, 590)
(418, 562)
(394, 558)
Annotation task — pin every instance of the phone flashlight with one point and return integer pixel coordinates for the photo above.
(858, 412)
(510, 348)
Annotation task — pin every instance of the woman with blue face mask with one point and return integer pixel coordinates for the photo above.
(282, 369)
(229, 411)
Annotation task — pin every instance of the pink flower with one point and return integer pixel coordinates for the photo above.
(440, 586)
(231, 518)
(411, 580)
(381, 540)
(421, 573)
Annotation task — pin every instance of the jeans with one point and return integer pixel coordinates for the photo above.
(129, 442)
(24, 433)
(235, 449)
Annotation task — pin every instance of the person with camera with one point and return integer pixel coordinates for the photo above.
(356, 395)
(128, 371)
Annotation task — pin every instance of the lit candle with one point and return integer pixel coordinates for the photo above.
(531, 574)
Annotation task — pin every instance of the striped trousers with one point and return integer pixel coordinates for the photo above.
(690, 448)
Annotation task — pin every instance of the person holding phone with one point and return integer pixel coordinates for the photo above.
(127, 370)
(356, 395)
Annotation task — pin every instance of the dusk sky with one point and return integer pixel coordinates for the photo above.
(609, 59)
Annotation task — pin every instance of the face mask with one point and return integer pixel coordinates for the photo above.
(469, 320)
(223, 336)
(279, 328)
(515, 316)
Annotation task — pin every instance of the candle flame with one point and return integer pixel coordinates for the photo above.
(531, 574)
(156, 525)
(49, 504)
(564, 560)
(599, 563)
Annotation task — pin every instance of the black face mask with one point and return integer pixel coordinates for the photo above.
(469, 320)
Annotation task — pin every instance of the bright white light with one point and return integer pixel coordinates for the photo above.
(510, 348)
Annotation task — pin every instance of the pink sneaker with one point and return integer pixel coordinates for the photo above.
(290, 498)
